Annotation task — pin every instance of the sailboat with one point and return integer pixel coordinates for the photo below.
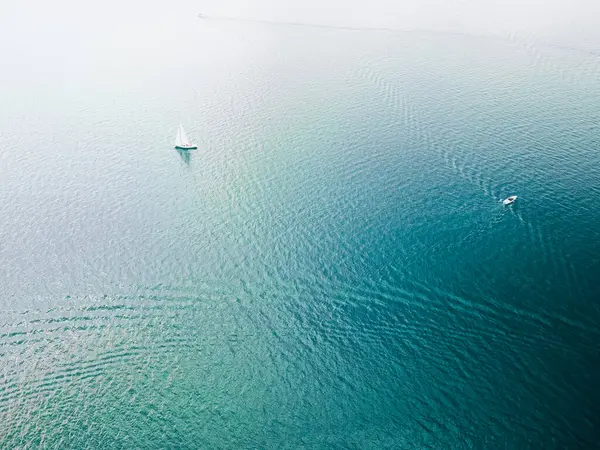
(181, 140)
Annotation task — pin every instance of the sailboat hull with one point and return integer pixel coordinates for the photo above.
(186, 147)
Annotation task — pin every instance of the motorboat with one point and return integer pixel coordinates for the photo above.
(510, 200)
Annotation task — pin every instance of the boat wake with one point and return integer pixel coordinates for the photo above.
(297, 24)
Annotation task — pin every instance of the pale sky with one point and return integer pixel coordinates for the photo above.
(29, 26)
(548, 17)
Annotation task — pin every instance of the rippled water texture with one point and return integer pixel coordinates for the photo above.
(332, 268)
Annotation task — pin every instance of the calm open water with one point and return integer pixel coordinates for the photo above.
(332, 268)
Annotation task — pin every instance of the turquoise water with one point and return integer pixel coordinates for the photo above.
(332, 268)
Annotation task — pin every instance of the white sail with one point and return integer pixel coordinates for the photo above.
(178, 137)
(183, 139)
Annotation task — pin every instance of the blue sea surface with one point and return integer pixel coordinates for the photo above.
(332, 268)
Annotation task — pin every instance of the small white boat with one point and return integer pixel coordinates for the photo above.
(181, 140)
(509, 200)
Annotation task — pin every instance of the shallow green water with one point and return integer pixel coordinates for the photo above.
(332, 268)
